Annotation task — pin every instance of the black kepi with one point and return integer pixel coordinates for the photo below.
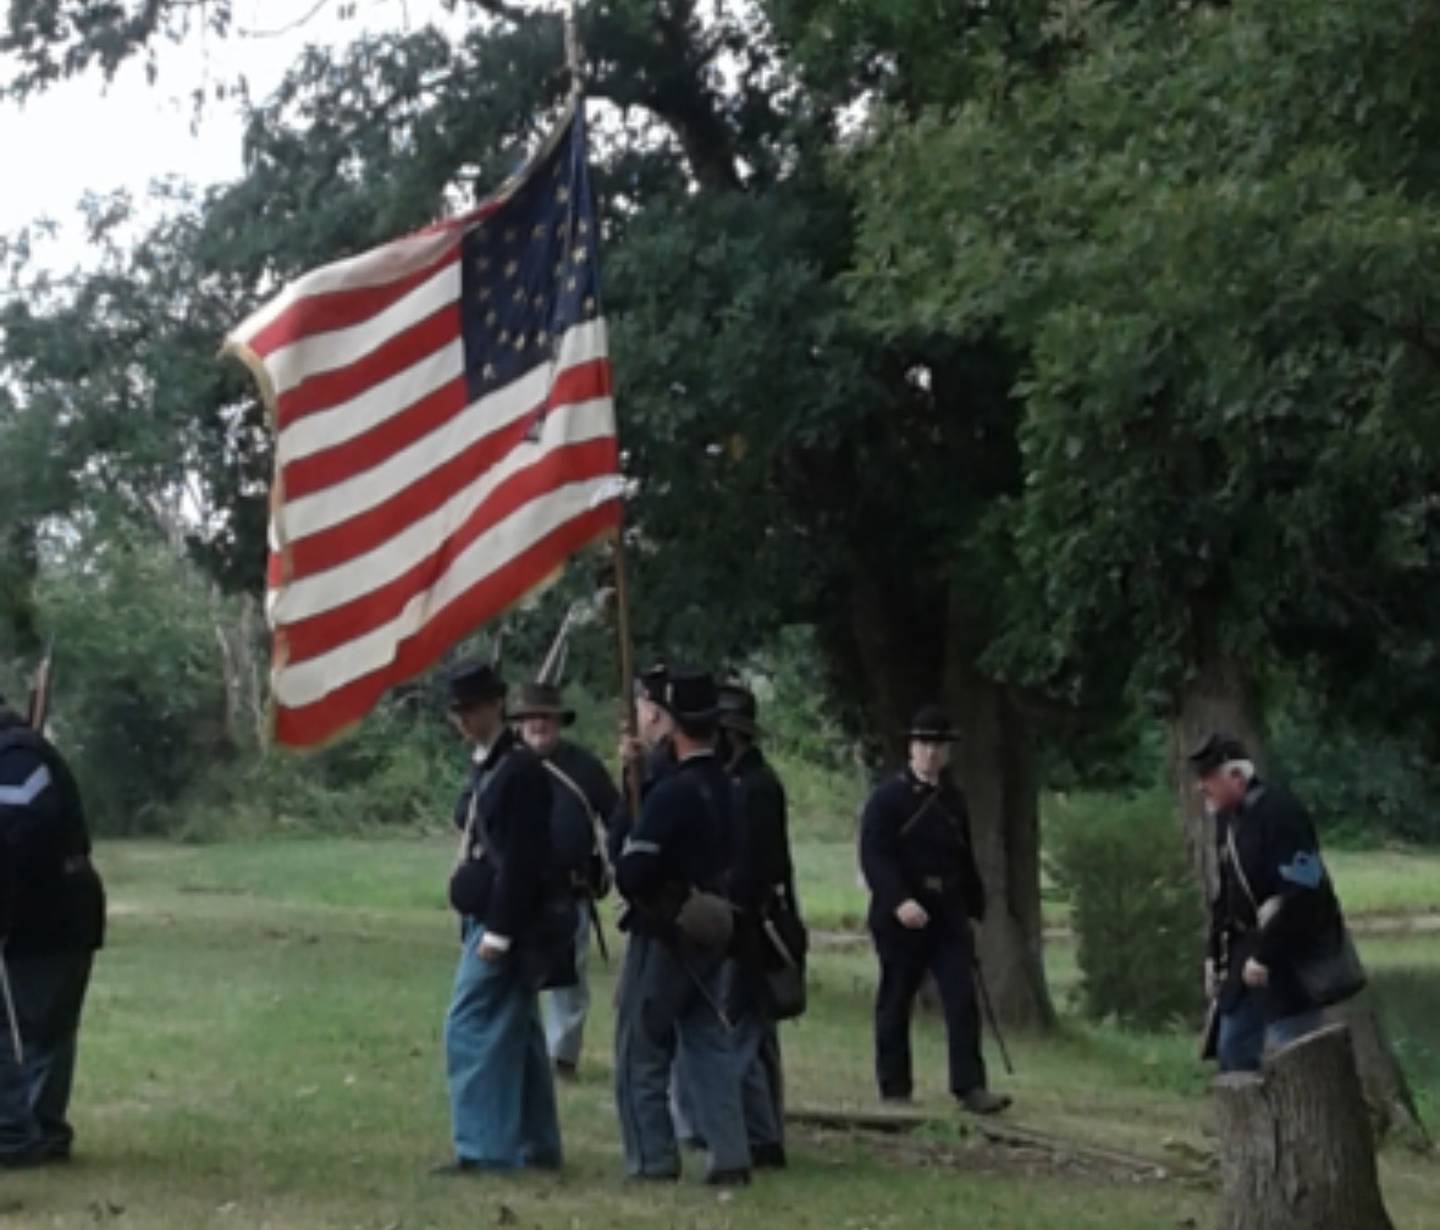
(1217, 751)
(738, 709)
(475, 683)
(691, 696)
(931, 724)
(650, 684)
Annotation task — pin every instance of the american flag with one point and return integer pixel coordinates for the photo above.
(444, 437)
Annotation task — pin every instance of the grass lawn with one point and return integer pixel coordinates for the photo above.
(1371, 884)
(262, 1050)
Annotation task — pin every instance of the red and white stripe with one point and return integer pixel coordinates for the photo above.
(403, 515)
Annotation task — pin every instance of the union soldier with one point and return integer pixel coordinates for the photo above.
(651, 748)
(56, 922)
(763, 891)
(919, 863)
(502, 1094)
(1275, 907)
(583, 798)
(672, 873)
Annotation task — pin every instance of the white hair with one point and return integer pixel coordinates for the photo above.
(1245, 768)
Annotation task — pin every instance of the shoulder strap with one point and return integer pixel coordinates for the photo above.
(915, 815)
(467, 834)
(472, 816)
(597, 823)
(1239, 870)
(570, 784)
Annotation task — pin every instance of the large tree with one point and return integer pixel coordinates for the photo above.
(795, 464)
(1214, 235)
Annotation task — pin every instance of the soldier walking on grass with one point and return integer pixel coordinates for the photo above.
(919, 863)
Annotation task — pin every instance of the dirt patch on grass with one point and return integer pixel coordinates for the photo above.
(970, 1152)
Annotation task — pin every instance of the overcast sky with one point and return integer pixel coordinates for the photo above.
(84, 135)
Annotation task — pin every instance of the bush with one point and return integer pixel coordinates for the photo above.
(1135, 910)
(1362, 788)
(139, 705)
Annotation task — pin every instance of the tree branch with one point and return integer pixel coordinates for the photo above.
(502, 11)
(279, 31)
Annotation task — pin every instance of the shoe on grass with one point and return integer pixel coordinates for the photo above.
(981, 1101)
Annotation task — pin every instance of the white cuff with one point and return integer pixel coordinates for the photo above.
(499, 943)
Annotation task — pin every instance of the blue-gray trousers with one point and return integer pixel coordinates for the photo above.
(662, 1016)
(49, 993)
(502, 1096)
(1245, 1036)
(762, 1091)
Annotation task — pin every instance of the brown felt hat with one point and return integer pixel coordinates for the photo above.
(540, 700)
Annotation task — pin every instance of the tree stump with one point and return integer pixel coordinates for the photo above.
(1296, 1150)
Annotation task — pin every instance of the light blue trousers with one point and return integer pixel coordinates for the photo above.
(502, 1096)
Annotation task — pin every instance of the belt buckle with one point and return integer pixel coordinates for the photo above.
(934, 884)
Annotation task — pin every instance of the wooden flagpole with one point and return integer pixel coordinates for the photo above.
(574, 58)
(627, 669)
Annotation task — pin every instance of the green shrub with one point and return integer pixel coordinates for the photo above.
(139, 703)
(1135, 910)
(1362, 788)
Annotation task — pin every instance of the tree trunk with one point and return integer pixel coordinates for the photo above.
(1387, 1092)
(17, 606)
(995, 764)
(1220, 696)
(1295, 1146)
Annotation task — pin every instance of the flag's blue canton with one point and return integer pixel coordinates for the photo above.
(530, 269)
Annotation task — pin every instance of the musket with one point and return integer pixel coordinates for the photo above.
(39, 711)
(579, 613)
(15, 1043)
(599, 929)
(990, 1015)
(552, 669)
